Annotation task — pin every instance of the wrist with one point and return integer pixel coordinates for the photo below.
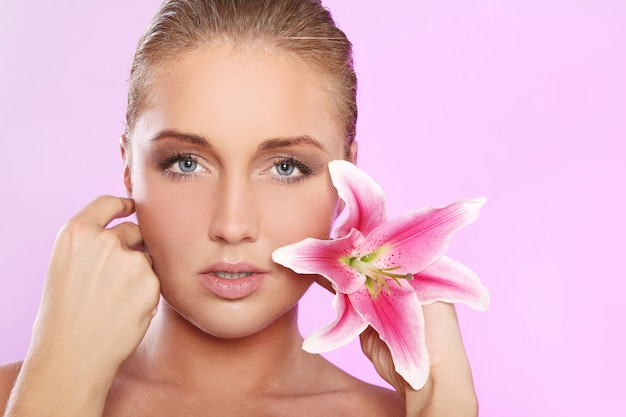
(418, 401)
(442, 398)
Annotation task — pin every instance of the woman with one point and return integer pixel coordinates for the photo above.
(235, 109)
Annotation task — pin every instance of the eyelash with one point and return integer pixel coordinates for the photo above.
(305, 170)
(166, 163)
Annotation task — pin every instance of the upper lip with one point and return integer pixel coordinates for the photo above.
(233, 267)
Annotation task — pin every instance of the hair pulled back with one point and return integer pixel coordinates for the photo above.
(301, 27)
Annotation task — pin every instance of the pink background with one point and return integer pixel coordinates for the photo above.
(523, 101)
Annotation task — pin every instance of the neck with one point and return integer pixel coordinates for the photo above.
(175, 352)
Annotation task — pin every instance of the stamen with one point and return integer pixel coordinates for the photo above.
(376, 278)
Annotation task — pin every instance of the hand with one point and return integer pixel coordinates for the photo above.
(100, 292)
(449, 390)
(99, 297)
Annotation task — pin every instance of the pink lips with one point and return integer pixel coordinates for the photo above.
(238, 280)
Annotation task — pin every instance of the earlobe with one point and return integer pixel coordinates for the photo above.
(124, 149)
(354, 150)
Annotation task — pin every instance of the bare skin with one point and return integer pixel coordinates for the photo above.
(99, 345)
(136, 392)
(287, 381)
(178, 369)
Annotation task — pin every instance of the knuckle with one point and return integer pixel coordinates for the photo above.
(139, 268)
(139, 263)
(110, 239)
(155, 289)
(97, 205)
(75, 227)
(104, 199)
(107, 200)
(149, 291)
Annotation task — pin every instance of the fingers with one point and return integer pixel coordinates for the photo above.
(128, 233)
(104, 209)
(100, 212)
(443, 334)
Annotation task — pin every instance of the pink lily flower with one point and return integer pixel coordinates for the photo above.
(384, 271)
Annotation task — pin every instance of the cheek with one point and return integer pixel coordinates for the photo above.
(171, 215)
(308, 211)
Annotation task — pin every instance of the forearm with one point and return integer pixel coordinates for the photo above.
(54, 387)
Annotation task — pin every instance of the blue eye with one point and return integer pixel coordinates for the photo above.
(187, 165)
(291, 170)
(285, 169)
(182, 165)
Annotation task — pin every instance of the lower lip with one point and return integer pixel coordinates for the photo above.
(232, 289)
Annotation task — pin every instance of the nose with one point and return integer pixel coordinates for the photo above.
(235, 217)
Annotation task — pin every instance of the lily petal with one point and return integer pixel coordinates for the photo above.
(450, 281)
(364, 198)
(314, 256)
(398, 318)
(347, 325)
(417, 239)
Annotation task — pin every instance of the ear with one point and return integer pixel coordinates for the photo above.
(351, 157)
(354, 151)
(125, 150)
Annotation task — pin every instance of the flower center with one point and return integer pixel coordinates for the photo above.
(376, 278)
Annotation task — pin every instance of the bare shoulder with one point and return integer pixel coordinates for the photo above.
(374, 401)
(8, 375)
(349, 396)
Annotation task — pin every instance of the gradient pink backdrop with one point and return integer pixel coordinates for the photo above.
(523, 101)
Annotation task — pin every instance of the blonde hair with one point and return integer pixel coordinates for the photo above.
(301, 27)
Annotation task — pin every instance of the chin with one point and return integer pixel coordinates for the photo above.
(232, 320)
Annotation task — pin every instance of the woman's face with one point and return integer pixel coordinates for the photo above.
(229, 162)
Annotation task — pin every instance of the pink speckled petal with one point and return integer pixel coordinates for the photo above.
(452, 282)
(398, 318)
(417, 239)
(364, 198)
(347, 325)
(314, 256)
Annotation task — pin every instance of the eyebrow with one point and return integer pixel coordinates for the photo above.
(185, 137)
(286, 142)
(269, 144)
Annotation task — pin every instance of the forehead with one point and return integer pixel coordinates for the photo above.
(250, 94)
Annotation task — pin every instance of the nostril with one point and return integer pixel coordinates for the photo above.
(233, 226)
